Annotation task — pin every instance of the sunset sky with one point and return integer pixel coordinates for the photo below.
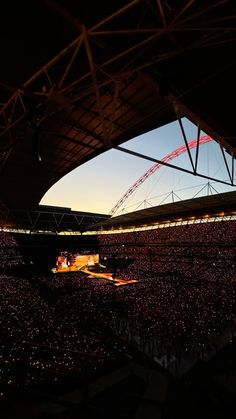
(97, 185)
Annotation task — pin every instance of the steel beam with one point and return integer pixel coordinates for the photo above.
(142, 156)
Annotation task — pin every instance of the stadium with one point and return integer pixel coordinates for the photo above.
(117, 314)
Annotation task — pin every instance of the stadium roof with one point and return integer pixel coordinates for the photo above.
(78, 78)
(50, 218)
(46, 218)
(204, 207)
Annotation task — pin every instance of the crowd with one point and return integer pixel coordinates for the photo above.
(10, 254)
(44, 336)
(207, 263)
(204, 251)
(7, 240)
(70, 325)
(172, 315)
(203, 232)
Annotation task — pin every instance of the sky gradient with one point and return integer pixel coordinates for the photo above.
(97, 185)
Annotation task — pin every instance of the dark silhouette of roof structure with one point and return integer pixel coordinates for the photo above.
(47, 218)
(60, 219)
(78, 78)
(211, 206)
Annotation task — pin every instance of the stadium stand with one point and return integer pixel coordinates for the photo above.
(78, 79)
(61, 332)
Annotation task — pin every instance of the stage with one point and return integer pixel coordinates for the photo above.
(107, 275)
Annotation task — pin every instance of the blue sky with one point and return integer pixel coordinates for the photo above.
(97, 185)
